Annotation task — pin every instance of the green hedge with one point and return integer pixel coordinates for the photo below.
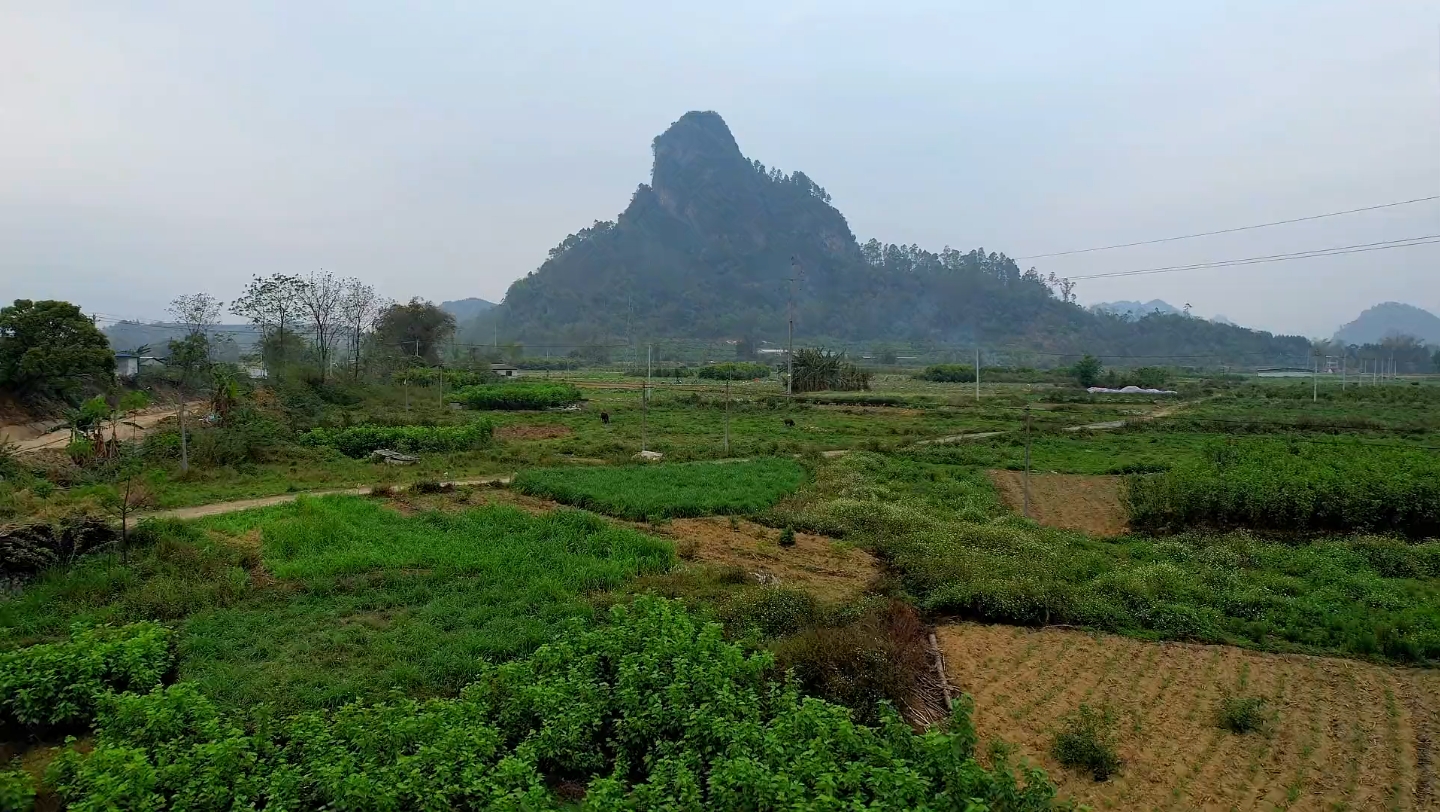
(653, 711)
(61, 683)
(358, 441)
(948, 373)
(735, 371)
(1294, 487)
(518, 396)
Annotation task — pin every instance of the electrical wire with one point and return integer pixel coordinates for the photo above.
(1232, 230)
(1359, 248)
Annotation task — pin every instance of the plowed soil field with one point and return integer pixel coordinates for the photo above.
(1090, 504)
(1345, 735)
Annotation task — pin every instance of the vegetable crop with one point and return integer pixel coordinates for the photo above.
(358, 441)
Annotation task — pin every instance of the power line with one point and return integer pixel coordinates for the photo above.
(1359, 248)
(1232, 230)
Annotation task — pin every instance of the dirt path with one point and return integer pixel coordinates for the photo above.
(1090, 504)
(217, 508)
(1344, 735)
(131, 428)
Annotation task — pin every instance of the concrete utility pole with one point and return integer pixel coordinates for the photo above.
(1315, 379)
(794, 274)
(727, 414)
(977, 372)
(1027, 461)
(645, 404)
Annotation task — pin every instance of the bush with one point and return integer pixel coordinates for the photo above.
(1087, 741)
(518, 396)
(787, 537)
(735, 371)
(358, 441)
(17, 791)
(1293, 487)
(454, 378)
(948, 373)
(61, 683)
(1243, 714)
(655, 710)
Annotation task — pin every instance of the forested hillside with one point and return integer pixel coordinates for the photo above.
(707, 248)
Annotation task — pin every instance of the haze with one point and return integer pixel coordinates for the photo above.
(438, 150)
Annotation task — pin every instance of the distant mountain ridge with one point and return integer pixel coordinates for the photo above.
(466, 309)
(708, 247)
(1390, 319)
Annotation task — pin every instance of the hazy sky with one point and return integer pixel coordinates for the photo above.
(439, 149)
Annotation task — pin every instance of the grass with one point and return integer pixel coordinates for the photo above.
(641, 492)
(345, 597)
(958, 552)
(1086, 741)
(1244, 714)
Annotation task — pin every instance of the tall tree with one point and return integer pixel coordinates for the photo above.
(320, 297)
(50, 349)
(359, 307)
(273, 305)
(198, 312)
(416, 328)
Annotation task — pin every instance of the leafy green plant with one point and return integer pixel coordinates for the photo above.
(669, 489)
(948, 373)
(1086, 740)
(735, 371)
(652, 710)
(787, 537)
(1244, 714)
(518, 395)
(61, 683)
(17, 790)
(358, 441)
(1293, 487)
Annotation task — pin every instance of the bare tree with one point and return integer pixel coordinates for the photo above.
(359, 307)
(198, 312)
(273, 305)
(320, 297)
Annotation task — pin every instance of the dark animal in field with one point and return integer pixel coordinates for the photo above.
(789, 423)
(605, 418)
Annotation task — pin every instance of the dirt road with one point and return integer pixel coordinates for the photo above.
(132, 428)
(217, 508)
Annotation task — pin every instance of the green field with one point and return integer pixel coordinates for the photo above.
(668, 490)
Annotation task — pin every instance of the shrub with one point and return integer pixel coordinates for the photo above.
(652, 711)
(1293, 487)
(787, 537)
(61, 683)
(1243, 714)
(454, 378)
(734, 371)
(518, 395)
(948, 373)
(358, 441)
(17, 791)
(1087, 741)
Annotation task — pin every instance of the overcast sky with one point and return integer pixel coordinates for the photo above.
(439, 149)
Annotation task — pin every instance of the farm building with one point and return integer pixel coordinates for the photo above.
(505, 370)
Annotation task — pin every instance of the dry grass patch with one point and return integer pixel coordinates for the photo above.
(820, 566)
(1344, 734)
(541, 432)
(1090, 504)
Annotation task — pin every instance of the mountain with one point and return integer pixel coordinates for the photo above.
(466, 309)
(1136, 310)
(706, 249)
(1389, 319)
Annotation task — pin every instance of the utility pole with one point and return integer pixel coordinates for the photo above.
(789, 382)
(1027, 461)
(1315, 380)
(727, 414)
(645, 404)
(977, 373)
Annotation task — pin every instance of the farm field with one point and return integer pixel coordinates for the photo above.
(1344, 734)
(837, 530)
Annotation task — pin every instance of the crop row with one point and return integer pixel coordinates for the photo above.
(669, 490)
(62, 683)
(654, 710)
(1293, 487)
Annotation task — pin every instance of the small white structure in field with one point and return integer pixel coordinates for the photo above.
(649, 456)
(505, 370)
